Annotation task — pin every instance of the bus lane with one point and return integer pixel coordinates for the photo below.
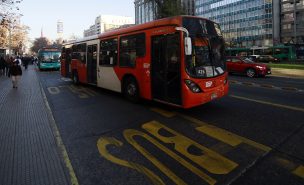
(168, 148)
(211, 166)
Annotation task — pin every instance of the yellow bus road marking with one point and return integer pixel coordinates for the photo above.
(295, 169)
(299, 171)
(129, 135)
(207, 159)
(269, 103)
(102, 144)
(82, 92)
(215, 132)
(223, 135)
(164, 113)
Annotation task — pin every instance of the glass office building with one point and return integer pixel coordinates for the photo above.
(292, 21)
(146, 11)
(244, 23)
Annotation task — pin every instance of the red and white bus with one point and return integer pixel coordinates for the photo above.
(177, 61)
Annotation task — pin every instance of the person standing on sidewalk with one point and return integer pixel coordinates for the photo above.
(2, 66)
(15, 71)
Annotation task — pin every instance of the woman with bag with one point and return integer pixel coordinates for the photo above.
(15, 71)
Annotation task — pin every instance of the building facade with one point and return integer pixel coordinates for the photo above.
(244, 23)
(107, 22)
(292, 21)
(146, 11)
(59, 29)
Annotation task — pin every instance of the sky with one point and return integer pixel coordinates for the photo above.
(76, 15)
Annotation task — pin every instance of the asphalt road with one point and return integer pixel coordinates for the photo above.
(253, 136)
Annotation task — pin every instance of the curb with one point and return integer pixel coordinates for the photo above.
(60, 145)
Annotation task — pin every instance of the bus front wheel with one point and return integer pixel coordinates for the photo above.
(131, 90)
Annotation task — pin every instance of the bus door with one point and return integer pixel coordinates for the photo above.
(91, 64)
(165, 68)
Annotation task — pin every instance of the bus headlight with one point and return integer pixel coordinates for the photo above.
(193, 86)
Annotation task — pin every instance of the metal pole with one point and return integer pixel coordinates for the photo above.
(10, 41)
(295, 21)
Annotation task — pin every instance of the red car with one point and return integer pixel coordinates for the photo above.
(246, 66)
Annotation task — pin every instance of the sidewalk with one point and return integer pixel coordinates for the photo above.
(28, 151)
(290, 73)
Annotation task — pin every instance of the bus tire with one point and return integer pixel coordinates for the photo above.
(131, 90)
(75, 78)
(250, 72)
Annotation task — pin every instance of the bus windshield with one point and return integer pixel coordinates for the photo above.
(50, 56)
(207, 59)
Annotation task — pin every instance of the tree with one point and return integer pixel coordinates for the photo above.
(167, 8)
(19, 38)
(40, 43)
(13, 35)
(57, 43)
(7, 9)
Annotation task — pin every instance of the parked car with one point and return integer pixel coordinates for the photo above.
(246, 66)
(263, 58)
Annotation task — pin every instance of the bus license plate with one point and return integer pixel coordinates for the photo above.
(213, 96)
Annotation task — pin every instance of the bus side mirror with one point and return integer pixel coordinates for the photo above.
(188, 46)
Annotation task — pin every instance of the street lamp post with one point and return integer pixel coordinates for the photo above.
(10, 41)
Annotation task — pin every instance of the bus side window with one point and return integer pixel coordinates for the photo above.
(108, 52)
(131, 47)
(82, 49)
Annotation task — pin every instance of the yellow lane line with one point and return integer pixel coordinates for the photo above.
(223, 135)
(167, 114)
(269, 103)
(299, 171)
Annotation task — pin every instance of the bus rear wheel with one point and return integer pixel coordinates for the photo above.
(131, 90)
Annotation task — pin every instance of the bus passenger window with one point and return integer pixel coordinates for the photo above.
(108, 52)
(131, 47)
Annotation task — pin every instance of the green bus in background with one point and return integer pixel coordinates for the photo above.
(49, 58)
(238, 51)
(281, 52)
(284, 53)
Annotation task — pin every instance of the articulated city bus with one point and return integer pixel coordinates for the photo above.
(49, 58)
(177, 61)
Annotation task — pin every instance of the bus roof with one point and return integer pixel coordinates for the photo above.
(174, 21)
(48, 49)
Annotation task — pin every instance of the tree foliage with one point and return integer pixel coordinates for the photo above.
(8, 10)
(167, 8)
(13, 35)
(44, 42)
(40, 43)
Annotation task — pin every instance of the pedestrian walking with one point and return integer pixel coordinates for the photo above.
(7, 65)
(18, 60)
(25, 61)
(2, 66)
(15, 72)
